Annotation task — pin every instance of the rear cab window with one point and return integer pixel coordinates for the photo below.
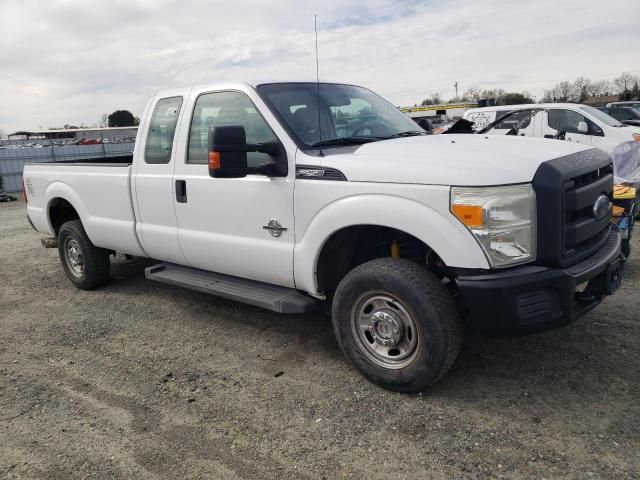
(162, 129)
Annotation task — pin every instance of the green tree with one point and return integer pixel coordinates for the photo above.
(122, 118)
(514, 98)
(435, 99)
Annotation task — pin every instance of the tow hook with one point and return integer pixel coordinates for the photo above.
(49, 242)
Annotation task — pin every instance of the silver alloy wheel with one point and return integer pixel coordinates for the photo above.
(385, 331)
(73, 257)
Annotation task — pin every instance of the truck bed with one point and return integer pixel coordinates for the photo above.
(98, 189)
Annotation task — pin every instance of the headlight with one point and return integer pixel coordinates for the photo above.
(503, 220)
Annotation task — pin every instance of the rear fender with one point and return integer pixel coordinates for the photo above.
(63, 191)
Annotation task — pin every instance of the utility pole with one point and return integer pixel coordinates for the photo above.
(456, 86)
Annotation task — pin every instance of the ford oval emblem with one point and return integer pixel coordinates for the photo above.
(601, 207)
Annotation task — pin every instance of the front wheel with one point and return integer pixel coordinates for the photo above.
(397, 324)
(86, 265)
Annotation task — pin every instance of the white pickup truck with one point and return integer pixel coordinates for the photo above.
(287, 195)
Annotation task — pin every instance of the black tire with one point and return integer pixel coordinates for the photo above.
(94, 261)
(413, 290)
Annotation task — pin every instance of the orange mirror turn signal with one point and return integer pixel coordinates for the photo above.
(214, 160)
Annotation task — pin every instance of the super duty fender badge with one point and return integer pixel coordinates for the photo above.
(312, 172)
(309, 172)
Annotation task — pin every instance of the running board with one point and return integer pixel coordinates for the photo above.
(264, 295)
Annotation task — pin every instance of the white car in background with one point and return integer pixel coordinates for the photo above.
(565, 121)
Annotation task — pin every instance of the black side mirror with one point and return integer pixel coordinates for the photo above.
(228, 150)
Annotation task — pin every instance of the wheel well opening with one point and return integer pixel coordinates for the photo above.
(353, 246)
(61, 211)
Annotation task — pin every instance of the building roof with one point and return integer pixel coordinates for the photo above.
(68, 130)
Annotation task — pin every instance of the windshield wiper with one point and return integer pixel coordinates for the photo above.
(408, 133)
(345, 141)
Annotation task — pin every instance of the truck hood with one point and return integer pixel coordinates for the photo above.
(464, 159)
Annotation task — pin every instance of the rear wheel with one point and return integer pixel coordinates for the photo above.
(397, 324)
(86, 265)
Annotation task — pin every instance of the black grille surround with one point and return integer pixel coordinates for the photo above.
(566, 190)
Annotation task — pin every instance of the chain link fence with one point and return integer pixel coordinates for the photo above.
(15, 153)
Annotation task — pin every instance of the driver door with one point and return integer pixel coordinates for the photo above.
(221, 221)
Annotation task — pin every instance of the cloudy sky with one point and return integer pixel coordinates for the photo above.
(70, 61)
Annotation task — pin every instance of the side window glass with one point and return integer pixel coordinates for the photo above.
(573, 119)
(162, 128)
(594, 129)
(557, 120)
(227, 108)
(621, 114)
(510, 122)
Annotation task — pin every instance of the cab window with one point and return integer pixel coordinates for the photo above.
(620, 114)
(510, 122)
(227, 108)
(162, 128)
(567, 121)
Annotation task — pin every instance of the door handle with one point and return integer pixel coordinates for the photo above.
(181, 191)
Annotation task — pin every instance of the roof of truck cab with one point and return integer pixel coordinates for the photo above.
(266, 82)
(237, 84)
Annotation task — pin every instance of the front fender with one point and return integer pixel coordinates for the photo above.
(445, 235)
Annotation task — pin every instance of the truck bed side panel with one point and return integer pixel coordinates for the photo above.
(101, 194)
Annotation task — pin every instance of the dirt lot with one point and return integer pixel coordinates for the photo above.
(142, 380)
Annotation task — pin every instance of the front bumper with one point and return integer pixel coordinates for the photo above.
(534, 298)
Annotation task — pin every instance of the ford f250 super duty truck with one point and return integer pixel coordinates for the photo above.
(287, 195)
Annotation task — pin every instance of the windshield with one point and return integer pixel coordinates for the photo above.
(348, 115)
(603, 117)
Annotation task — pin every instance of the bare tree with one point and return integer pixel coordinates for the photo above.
(104, 120)
(550, 96)
(600, 88)
(564, 92)
(581, 89)
(625, 82)
(471, 95)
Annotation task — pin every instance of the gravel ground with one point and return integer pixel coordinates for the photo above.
(142, 380)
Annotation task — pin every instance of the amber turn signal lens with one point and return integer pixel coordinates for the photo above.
(636, 137)
(214, 160)
(470, 215)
